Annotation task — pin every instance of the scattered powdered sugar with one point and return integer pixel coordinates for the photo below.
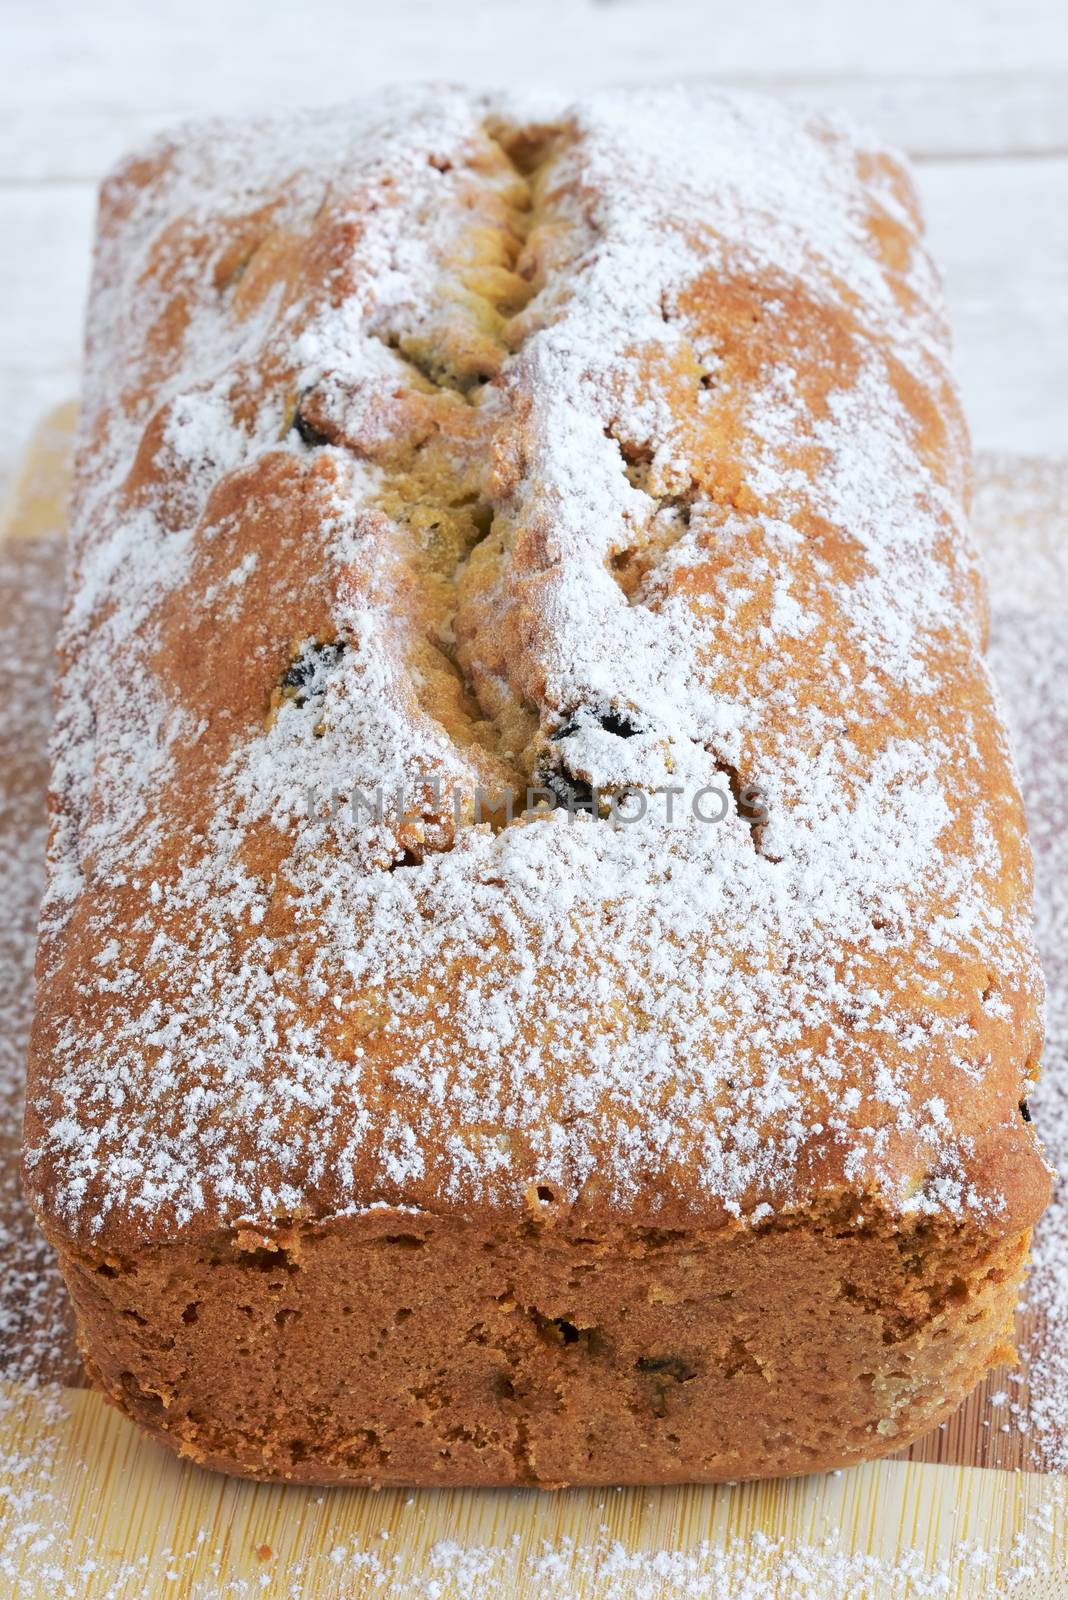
(249, 1014)
(1029, 656)
(34, 1327)
(36, 1346)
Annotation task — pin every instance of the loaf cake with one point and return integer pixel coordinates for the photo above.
(536, 981)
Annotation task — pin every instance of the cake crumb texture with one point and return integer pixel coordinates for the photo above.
(446, 1354)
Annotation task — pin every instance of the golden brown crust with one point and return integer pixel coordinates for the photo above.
(610, 456)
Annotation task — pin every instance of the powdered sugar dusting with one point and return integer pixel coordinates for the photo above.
(706, 468)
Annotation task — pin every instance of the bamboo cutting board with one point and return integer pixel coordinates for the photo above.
(90, 1509)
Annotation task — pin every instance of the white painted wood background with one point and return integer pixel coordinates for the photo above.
(976, 91)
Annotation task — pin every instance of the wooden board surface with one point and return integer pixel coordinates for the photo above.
(118, 1501)
(886, 1529)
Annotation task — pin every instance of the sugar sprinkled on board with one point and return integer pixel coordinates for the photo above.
(1029, 656)
(35, 1329)
(34, 1326)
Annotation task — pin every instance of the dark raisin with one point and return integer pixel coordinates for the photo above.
(618, 723)
(310, 435)
(612, 721)
(574, 793)
(315, 658)
(571, 791)
(298, 673)
(1025, 1111)
(668, 1367)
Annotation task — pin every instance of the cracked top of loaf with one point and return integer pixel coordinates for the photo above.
(436, 449)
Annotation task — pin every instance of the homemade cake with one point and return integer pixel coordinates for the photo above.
(536, 980)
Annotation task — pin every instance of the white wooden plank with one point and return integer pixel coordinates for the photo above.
(954, 118)
(86, 82)
(1000, 230)
(963, 117)
(131, 50)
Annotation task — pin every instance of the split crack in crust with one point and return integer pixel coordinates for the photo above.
(439, 496)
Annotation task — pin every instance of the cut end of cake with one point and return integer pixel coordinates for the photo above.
(398, 1348)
